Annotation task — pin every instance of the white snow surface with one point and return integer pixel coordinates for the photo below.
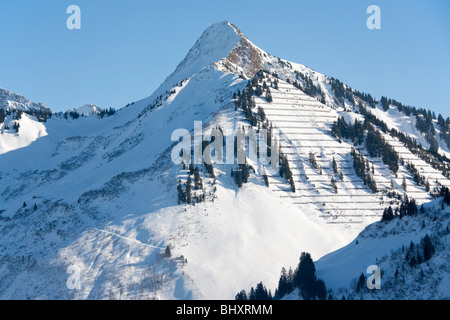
(30, 130)
(106, 193)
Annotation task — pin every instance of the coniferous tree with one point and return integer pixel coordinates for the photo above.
(197, 179)
(312, 159)
(236, 174)
(283, 285)
(269, 96)
(16, 127)
(210, 169)
(404, 185)
(181, 196)
(304, 276)
(189, 190)
(333, 185)
(262, 114)
(388, 214)
(261, 292)
(428, 248)
(321, 290)
(242, 295)
(292, 184)
(275, 84)
(412, 262)
(167, 252)
(361, 282)
(266, 180)
(446, 195)
(245, 172)
(335, 166)
(252, 295)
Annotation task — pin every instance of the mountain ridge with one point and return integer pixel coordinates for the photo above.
(13, 101)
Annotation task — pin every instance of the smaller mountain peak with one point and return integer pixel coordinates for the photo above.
(87, 110)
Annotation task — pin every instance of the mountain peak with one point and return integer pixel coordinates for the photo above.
(214, 44)
(223, 45)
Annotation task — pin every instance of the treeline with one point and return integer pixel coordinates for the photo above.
(303, 278)
(363, 170)
(437, 161)
(424, 122)
(103, 113)
(444, 126)
(366, 133)
(192, 191)
(343, 130)
(424, 117)
(342, 92)
(107, 112)
(420, 252)
(377, 146)
(160, 99)
(256, 117)
(407, 208)
(407, 110)
(246, 102)
(258, 293)
(308, 86)
(285, 171)
(417, 177)
(39, 114)
(426, 126)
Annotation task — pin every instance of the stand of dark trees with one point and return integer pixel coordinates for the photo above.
(302, 278)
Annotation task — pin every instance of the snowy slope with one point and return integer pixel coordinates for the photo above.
(386, 244)
(30, 130)
(101, 194)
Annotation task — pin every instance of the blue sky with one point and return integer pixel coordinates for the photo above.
(125, 49)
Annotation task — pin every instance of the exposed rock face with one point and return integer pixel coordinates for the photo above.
(244, 59)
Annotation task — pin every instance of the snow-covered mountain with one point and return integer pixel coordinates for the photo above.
(99, 198)
(13, 101)
(86, 110)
